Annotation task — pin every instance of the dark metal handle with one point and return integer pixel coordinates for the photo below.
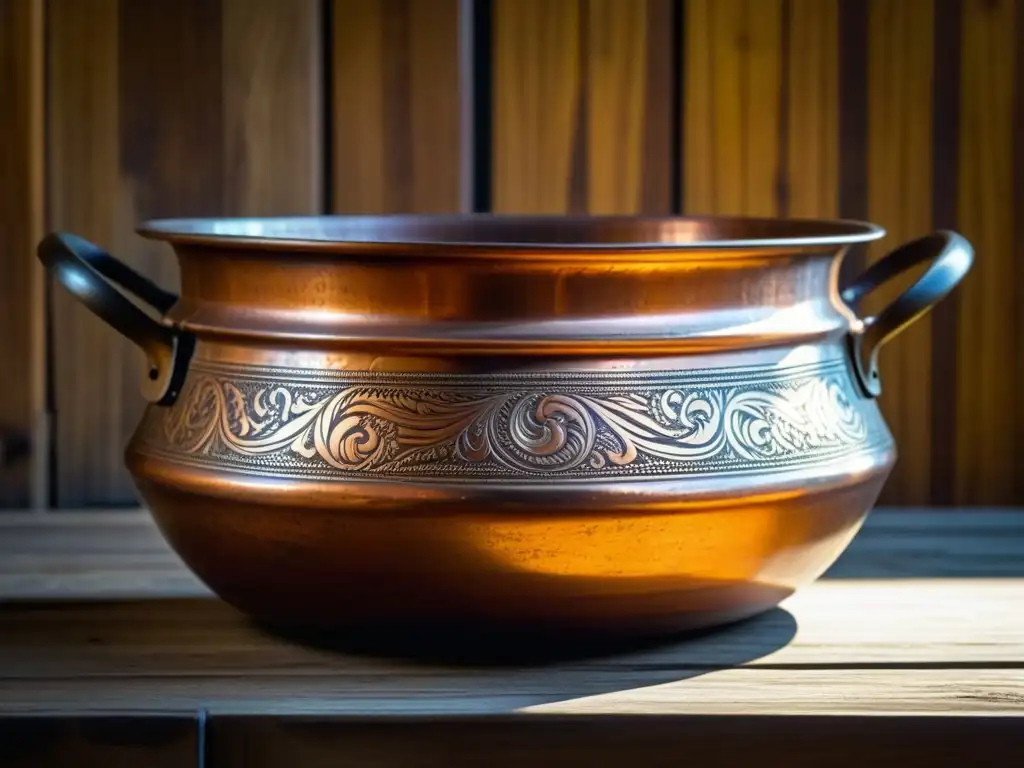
(89, 273)
(951, 257)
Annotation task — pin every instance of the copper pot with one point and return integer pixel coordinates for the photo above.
(610, 424)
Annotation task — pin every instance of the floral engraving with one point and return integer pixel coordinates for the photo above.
(573, 425)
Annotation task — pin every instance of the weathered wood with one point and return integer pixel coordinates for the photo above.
(22, 302)
(839, 647)
(914, 622)
(158, 110)
(396, 121)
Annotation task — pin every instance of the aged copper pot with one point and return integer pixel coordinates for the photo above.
(610, 424)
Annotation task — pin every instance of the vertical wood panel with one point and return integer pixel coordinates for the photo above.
(85, 197)
(21, 223)
(536, 104)
(142, 125)
(732, 99)
(582, 106)
(273, 132)
(760, 107)
(989, 341)
(900, 62)
(812, 114)
(396, 121)
(853, 121)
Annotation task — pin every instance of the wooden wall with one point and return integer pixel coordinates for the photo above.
(906, 112)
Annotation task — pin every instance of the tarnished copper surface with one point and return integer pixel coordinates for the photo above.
(608, 424)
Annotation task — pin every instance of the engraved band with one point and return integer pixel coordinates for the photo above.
(581, 425)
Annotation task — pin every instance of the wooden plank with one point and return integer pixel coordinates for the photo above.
(988, 337)
(603, 742)
(22, 299)
(732, 107)
(881, 647)
(142, 125)
(156, 741)
(396, 120)
(582, 106)
(812, 109)
(900, 59)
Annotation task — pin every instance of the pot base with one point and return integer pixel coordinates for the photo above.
(539, 570)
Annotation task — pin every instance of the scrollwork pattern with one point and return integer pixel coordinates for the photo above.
(576, 425)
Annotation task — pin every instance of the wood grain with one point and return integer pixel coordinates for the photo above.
(731, 120)
(892, 669)
(22, 300)
(884, 647)
(537, 104)
(273, 112)
(582, 106)
(812, 109)
(396, 122)
(156, 112)
(899, 176)
(988, 337)
(155, 741)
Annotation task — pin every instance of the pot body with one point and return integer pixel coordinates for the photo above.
(610, 436)
(622, 496)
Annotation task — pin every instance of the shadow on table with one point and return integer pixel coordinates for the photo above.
(935, 544)
(727, 646)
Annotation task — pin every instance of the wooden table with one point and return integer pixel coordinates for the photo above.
(910, 652)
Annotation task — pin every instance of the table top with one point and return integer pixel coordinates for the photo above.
(921, 617)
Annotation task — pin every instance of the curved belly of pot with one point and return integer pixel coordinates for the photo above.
(609, 500)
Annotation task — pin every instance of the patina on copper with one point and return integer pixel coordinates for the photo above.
(611, 424)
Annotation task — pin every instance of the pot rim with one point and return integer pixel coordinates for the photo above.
(510, 233)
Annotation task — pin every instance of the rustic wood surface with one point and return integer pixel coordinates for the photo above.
(909, 652)
(22, 304)
(920, 617)
(158, 110)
